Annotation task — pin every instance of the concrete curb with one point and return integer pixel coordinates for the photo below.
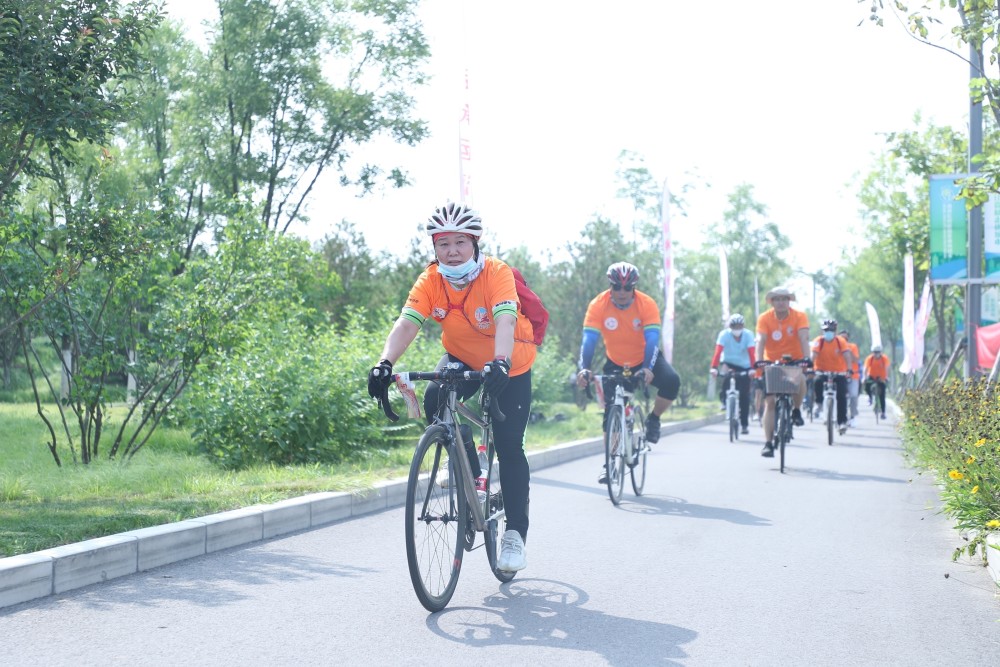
(53, 571)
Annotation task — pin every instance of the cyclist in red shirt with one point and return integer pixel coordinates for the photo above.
(474, 299)
(629, 322)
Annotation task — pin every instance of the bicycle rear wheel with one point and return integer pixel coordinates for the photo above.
(435, 520)
(496, 522)
(639, 451)
(614, 455)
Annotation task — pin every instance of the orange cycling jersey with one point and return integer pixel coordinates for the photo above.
(877, 368)
(781, 336)
(830, 354)
(468, 316)
(624, 331)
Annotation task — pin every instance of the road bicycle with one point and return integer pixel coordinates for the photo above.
(443, 511)
(829, 405)
(733, 402)
(877, 402)
(625, 445)
(782, 379)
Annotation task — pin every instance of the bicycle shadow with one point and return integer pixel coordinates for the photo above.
(543, 612)
(833, 475)
(672, 506)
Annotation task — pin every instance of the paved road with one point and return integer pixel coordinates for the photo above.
(844, 560)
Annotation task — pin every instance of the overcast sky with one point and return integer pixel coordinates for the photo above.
(788, 97)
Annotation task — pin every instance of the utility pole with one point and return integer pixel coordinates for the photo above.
(973, 293)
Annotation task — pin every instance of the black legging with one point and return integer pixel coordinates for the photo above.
(879, 386)
(508, 438)
(841, 384)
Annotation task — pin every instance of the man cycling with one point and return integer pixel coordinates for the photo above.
(854, 379)
(735, 348)
(831, 354)
(629, 322)
(876, 369)
(782, 330)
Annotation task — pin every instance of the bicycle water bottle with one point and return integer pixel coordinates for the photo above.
(483, 470)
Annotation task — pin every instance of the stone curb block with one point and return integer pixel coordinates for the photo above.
(92, 561)
(169, 543)
(993, 556)
(233, 528)
(24, 578)
(30, 576)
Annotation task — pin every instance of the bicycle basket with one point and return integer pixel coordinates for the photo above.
(782, 379)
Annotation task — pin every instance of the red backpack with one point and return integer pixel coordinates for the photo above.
(531, 306)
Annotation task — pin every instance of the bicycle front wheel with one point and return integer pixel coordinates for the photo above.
(734, 419)
(639, 451)
(782, 429)
(435, 520)
(831, 420)
(614, 455)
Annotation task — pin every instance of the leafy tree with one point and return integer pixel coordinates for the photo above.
(754, 246)
(974, 24)
(59, 63)
(276, 115)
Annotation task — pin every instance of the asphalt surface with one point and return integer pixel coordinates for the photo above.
(843, 560)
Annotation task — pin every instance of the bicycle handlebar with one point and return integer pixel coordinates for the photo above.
(447, 377)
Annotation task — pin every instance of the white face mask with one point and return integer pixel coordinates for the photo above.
(457, 272)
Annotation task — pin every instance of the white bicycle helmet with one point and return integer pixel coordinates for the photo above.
(736, 320)
(454, 217)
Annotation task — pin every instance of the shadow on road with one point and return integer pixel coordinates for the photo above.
(842, 477)
(652, 504)
(201, 581)
(542, 612)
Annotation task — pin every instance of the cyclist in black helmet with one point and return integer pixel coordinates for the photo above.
(629, 322)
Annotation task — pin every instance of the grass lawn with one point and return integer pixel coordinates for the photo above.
(43, 505)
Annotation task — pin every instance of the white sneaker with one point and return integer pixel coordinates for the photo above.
(853, 423)
(512, 556)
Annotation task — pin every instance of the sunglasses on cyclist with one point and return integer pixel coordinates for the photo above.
(616, 288)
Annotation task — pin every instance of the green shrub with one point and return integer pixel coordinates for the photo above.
(953, 430)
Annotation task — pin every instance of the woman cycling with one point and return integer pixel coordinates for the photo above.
(474, 299)
(735, 348)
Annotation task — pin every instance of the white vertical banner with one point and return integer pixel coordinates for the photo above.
(667, 330)
(906, 365)
(724, 284)
(874, 327)
(920, 324)
(756, 303)
(465, 147)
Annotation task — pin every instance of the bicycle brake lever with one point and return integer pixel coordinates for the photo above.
(383, 402)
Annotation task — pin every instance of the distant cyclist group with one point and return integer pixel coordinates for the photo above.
(488, 339)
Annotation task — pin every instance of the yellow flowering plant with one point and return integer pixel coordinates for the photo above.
(953, 432)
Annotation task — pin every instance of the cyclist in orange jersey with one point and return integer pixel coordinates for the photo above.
(782, 330)
(831, 353)
(629, 322)
(854, 380)
(474, 299)
(876, 372)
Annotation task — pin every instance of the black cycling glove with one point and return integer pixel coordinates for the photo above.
(496, 375)
(379, 378)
